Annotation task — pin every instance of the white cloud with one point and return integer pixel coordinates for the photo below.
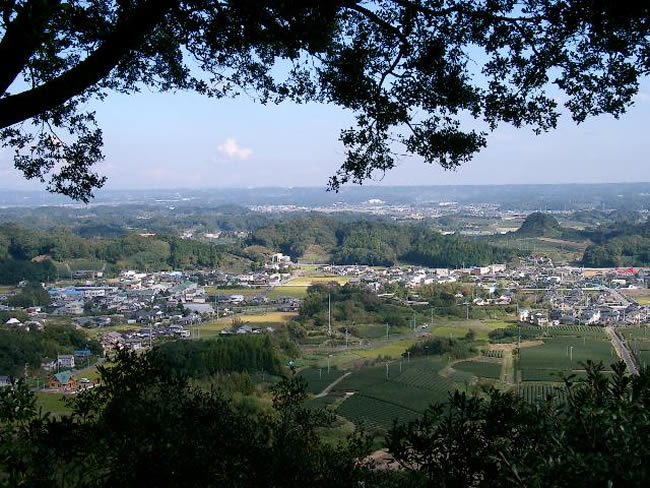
(231, 150)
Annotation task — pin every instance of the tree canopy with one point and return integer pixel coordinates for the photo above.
(414, 72)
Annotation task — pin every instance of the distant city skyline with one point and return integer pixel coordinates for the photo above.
(159, 141)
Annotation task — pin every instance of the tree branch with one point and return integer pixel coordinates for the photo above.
(22, 38)
(379, 21)
(127, 35)
(408, 4)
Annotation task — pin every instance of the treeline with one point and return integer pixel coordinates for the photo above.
(19, 347)
(26, 254)
(200, 359)
(456, 348)
(377, 243)
(622, 244)
(350, 305)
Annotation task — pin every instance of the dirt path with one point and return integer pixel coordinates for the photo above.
(327, 389)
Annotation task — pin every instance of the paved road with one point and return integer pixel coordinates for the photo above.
(622, 350)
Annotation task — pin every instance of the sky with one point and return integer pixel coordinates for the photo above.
(183, 140)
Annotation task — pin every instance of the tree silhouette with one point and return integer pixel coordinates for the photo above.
(412, 71)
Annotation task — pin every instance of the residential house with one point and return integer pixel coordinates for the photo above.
(62, 381)
(65, 361)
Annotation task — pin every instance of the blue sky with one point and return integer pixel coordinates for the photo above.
(186, 141)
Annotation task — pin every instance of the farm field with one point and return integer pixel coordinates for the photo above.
(52, 402)
(448, 331)
(562, 354)
(318, 378)
(373, 414)
(247, 292)
(483, 369)
(311, 280)
(393, 350)
(641, 295)
(459, 328)
(214, 327)
(538, 392)
(404, 394)
(287, 291)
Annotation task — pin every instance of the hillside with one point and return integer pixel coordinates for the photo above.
(539, 224)
(377, 243)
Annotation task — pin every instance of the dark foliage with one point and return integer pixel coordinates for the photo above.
(405, 68)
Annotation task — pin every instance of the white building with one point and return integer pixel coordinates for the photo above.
(65, 361)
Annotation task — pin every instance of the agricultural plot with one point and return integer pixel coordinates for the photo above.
(414, 388)
(562, 354)
(392, 350)
(318, 378)
(492, 354)
(641, 351)
(371, 413)
(536, 393)
(451, 332)
(641, 333)
(312, 280)
(288, 292)
(483, 369)
(530, 331)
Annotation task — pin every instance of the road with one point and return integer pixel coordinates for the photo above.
(331, 385)
(622, 350)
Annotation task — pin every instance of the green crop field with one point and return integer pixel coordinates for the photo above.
(483, 369)
(379, 399)
(562, 354)
(393, 349)
(447, 331)
(319, 378)
(536, 393)
(641, 333)
(287, 291)
(371, 413)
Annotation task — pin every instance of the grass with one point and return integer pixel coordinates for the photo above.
(52, 402)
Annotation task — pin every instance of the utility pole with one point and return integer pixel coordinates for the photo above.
(387, 370)
(386, 330)
(329, 314)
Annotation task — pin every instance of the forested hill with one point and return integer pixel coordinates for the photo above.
(622, 244)
(376, 243)
(539, 224)
(28, 254)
